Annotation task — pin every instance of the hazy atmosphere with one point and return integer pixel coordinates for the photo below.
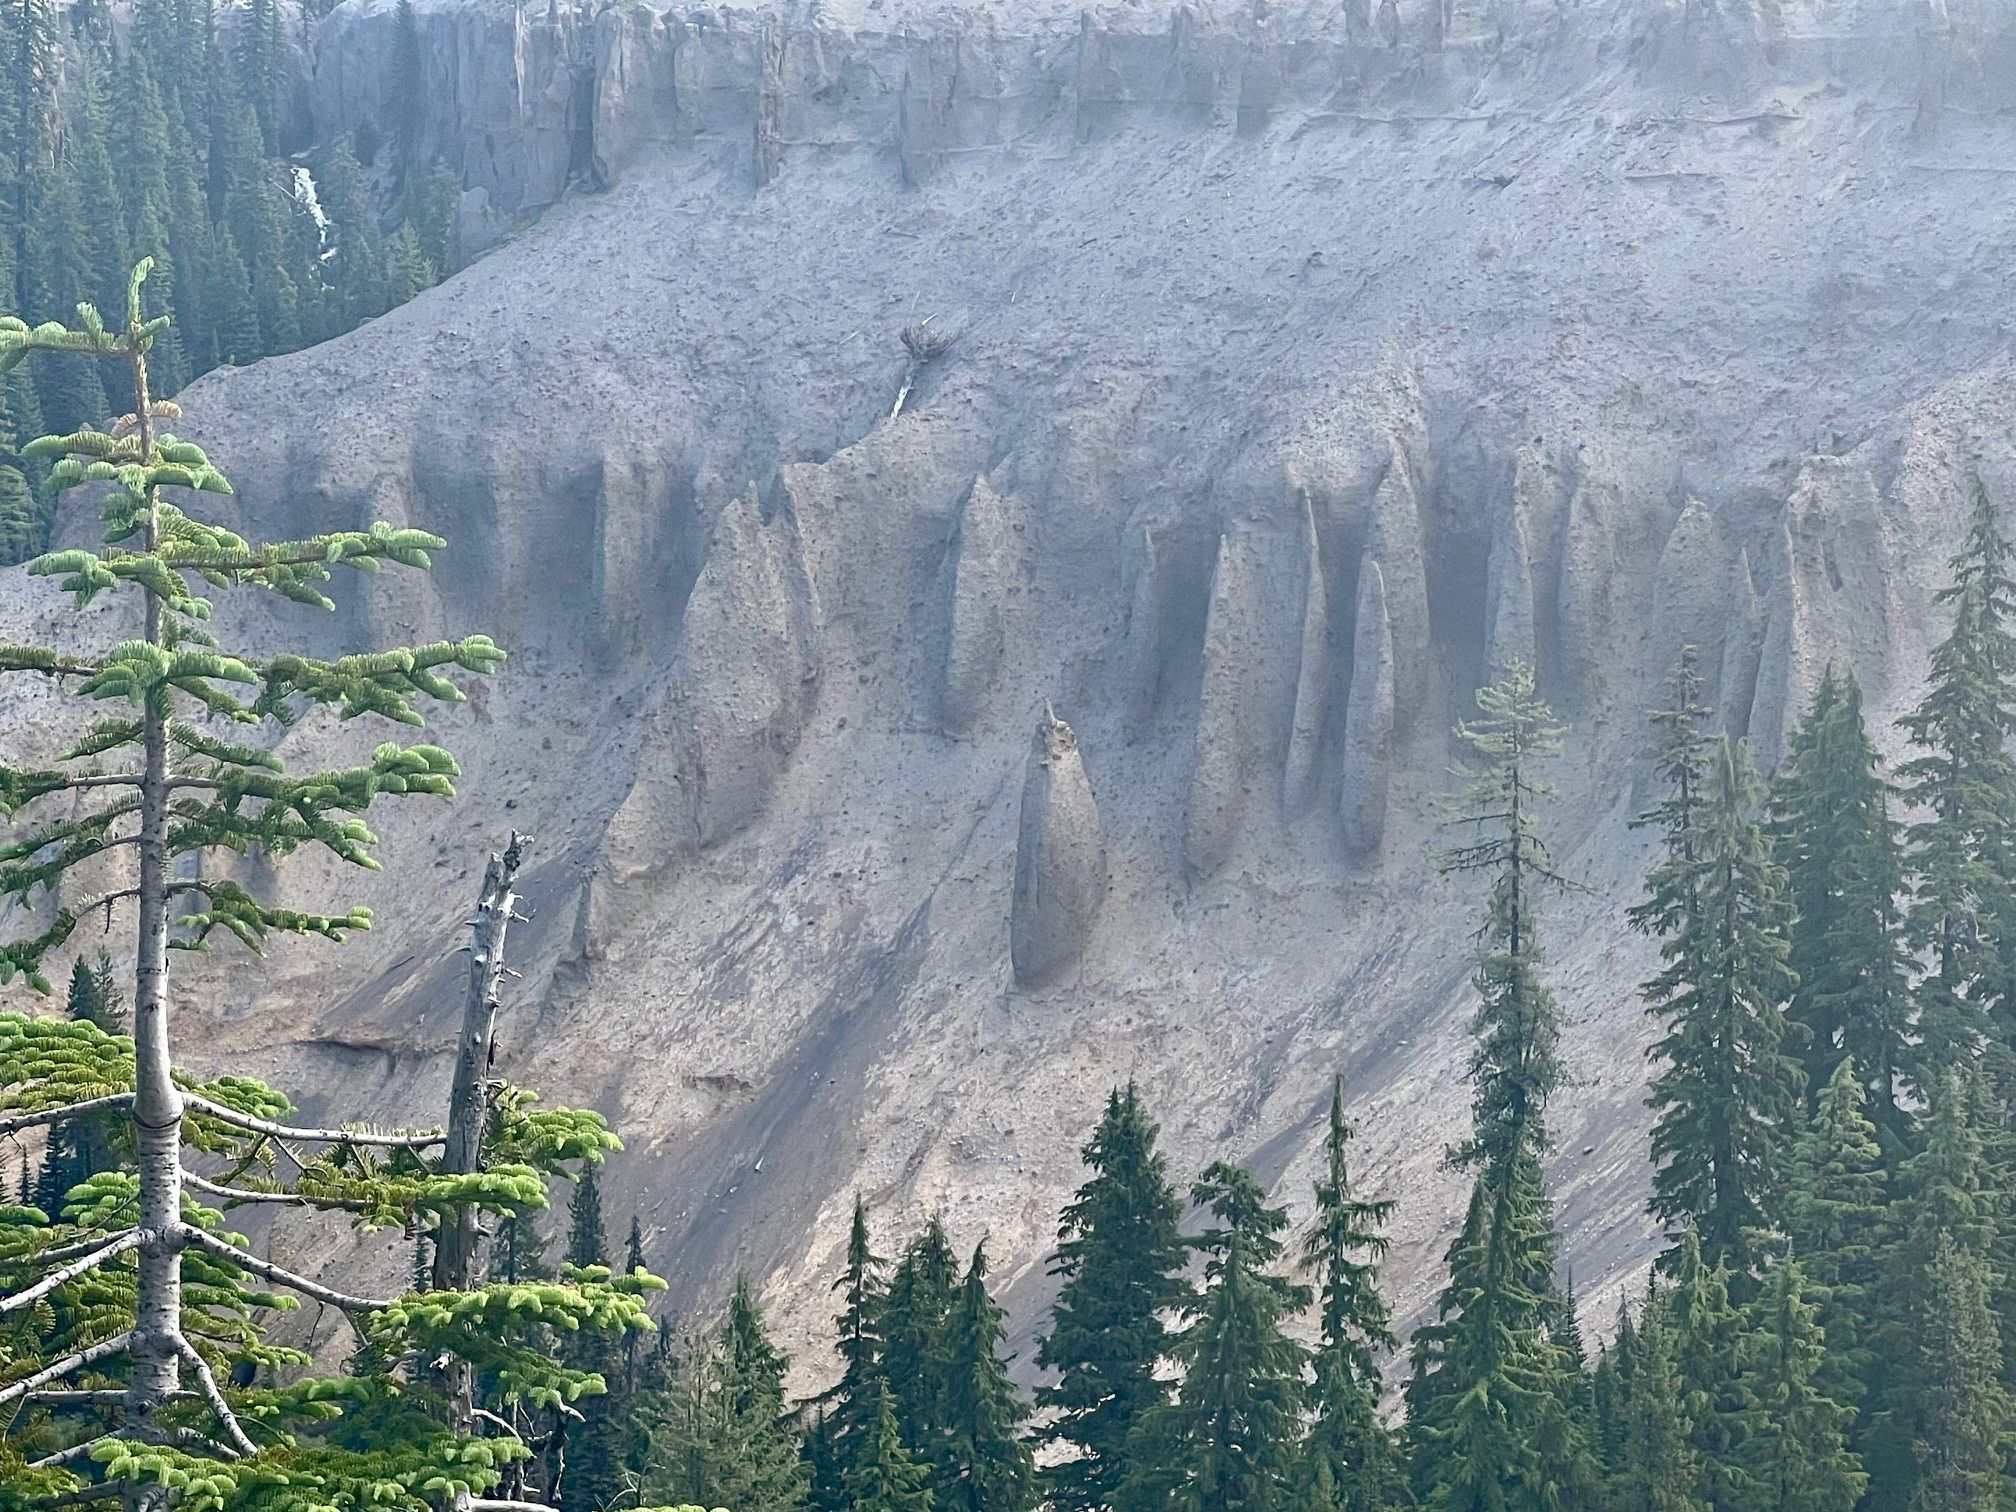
(1060, 581)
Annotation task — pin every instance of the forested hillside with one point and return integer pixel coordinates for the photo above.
(169, 130)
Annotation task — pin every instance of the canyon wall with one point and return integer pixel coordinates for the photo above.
(898, 784)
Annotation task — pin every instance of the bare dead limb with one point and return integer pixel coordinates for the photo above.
(74, 1452)
(401, 1139)
(280, 1275)
(63, 1367)
(126, 1241)
(287, 1199)
(13, 1123)
(64, 1252)
(226, 1418)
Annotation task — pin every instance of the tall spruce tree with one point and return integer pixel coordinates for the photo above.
(848, 1411)
(1120, 1255)
(1794, 1449)
(881, 1476)
(984, 1464)
(1944, 1203)
(1834, 1220)
(1727, 1094)
(916, 1311)
(1962, 784)
(1349, 1462)
(1228, 1442)
(1832, 831)
(1491, 1413)
(1707, 1333)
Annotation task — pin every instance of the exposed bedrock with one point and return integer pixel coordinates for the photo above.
(983, 587)
(1060, 858)
(741, 686)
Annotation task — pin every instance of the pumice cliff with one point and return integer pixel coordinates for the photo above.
(1311, 358)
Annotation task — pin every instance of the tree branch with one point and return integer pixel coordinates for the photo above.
(15, 1122)
(64, 1456)
(267, 1270)
(290, 1199)
(63, 1367)
(64, 1252)
(111, 1397)
(126, 1241)
(413, 1139)
(226, 1418)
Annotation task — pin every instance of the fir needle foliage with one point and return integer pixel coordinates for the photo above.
(138, 1283)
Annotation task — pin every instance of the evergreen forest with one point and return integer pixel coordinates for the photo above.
(1830, 1324)
(163, 131)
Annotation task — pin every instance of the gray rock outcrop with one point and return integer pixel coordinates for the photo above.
(1060, 858)
(1313, 677)
(983, 584)
(1368, 717)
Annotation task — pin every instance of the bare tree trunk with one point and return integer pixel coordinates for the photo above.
(157, 1105)
(458, 1245)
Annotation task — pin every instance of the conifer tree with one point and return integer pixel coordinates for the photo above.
(1727, 1094)
(1120, 1254)
(1794, 1450)
(1228, 1442)
(144, 1275)
(984, 1464)
(1832, 831)
(587, 1240)
(1707, 1338)
(847, 1411)
(722, 1435)
(1491, 1412)
(1834, 1218)
(916, 1309)
(1965, 1418)
(881, 1476)
(1962, 785)
(1349, 1463)
(1659, 1468)
(1610, 1390)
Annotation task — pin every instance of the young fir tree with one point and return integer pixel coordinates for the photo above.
(984, 1464)
(721, 1436)
(1120, 1254)
(1707, 1336)
(1492, 1406)
(1962, 784)
(587, 1239)
(1727, 1094)
(1834, 1217)
(848, 1411)
(1944, 1200)
(1658, 1467)
(1349, 1463)
(1794, 1450)
(593, 1447)
(1832, 831)
(881, 1476)
(1965, 1418)
(1610, 1391)
(916, 1309)
(81, 1149)
(1228, 1442)
(142, 1272)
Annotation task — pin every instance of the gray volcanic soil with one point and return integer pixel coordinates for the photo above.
(1309, 360)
